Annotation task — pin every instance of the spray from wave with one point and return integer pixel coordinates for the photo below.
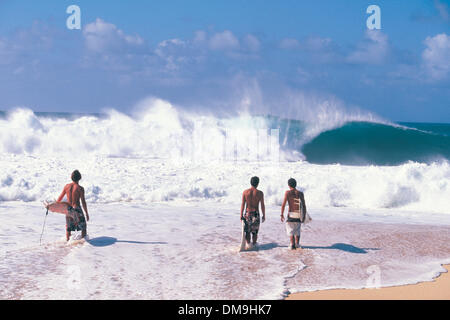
(158, 129)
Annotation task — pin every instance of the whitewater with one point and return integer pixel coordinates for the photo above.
(164, 194)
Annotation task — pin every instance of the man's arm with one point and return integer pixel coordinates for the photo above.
(242, 205)
(83, 203)
(283, 206)
(263, 207)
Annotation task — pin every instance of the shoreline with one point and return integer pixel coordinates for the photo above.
(437, 289)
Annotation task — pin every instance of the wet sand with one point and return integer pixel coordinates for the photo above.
(438, 289)
(342, 258)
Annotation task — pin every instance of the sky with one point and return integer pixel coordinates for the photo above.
(226, 56)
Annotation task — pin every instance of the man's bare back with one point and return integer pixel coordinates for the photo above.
(293, 196)
(73, 192)
(252, 197)
(296, 200)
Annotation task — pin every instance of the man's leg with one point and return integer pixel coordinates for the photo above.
(292, 242)
(290, 233)
(297, 237)
(247, 237)
(83, 232)
(255, 237)
(255, 229)
(297, 241)
(68, 224)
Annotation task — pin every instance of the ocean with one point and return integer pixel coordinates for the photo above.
(164, 188)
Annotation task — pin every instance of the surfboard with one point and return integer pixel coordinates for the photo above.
(308, 218)
(302, 214)
(58, 207)
(243, 241)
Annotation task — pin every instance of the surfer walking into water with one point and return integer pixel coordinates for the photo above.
(296, 215)
(251, 199)
(75, 220)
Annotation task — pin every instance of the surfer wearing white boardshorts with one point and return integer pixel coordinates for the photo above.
(297, 213)
(75, 220)
(251, 199)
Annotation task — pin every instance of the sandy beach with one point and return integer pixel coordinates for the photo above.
(438, 289)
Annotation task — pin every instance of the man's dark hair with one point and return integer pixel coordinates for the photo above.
(254, 181)
(292, 183)
(76, 176)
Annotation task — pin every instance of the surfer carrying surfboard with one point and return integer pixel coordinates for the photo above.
(251, 199)
(297, 213)
(75, 220)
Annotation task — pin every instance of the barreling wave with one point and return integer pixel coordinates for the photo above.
(365, 143)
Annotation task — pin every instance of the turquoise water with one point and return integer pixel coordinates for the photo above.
(367, 143)
(364, 143)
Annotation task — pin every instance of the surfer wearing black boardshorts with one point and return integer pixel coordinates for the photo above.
(75, 220)
(297, 213)
(251, 199)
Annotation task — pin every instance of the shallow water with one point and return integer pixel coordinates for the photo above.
(162, 251)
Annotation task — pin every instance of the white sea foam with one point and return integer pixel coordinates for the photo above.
(413, 186)
(190, 251)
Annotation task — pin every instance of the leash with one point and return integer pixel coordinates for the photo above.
(46, 214)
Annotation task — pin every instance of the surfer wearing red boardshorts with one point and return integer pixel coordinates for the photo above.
(75, 219)
(252, 198)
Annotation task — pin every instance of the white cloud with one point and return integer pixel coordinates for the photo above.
(317, 49)
(179, 53)
(252, 43)
(311, 43)
(19, 70)
(200, 36)
(373, 50)
(171, 42)
(4, 55)
(289, 43)
(317, 43)
(443, 10)
(101, 36)
(225, 40)
(436, 56)
(169, 51)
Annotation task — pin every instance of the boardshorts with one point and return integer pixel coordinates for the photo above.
(293, 229)
(293, 226)
(75, 220)
(251, 222)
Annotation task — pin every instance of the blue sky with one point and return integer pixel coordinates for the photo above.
(221, 55)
